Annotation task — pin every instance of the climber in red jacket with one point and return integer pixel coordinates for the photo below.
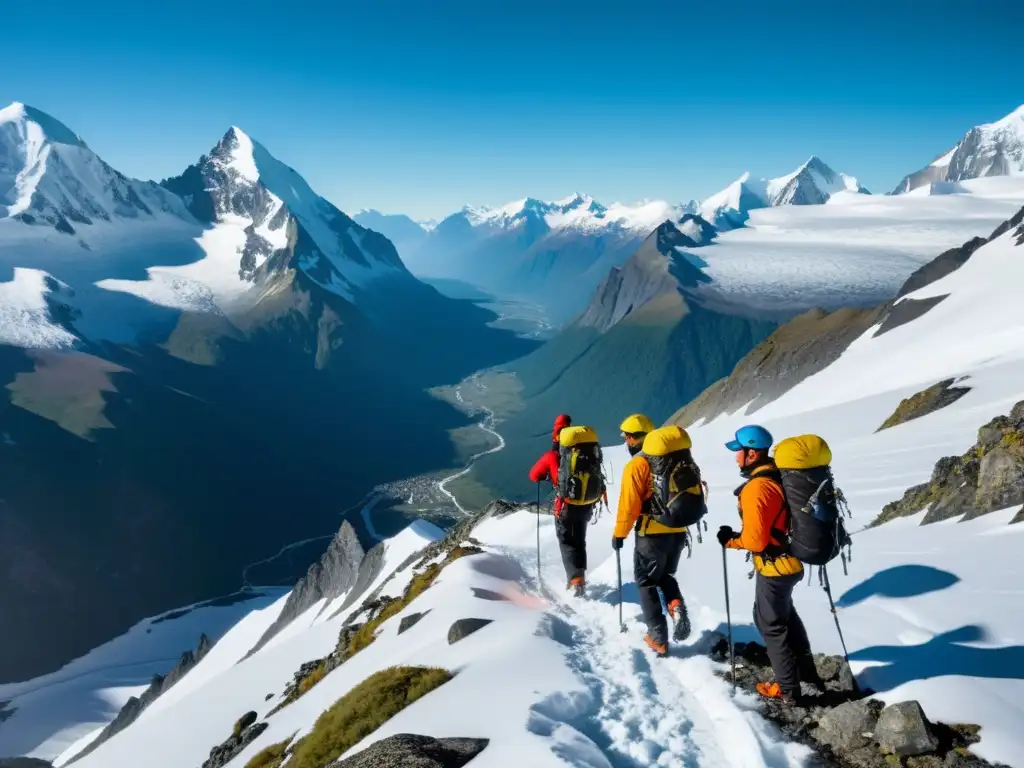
(547, 465)
(570, 523)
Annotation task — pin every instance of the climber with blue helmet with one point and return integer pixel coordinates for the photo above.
(764, 532)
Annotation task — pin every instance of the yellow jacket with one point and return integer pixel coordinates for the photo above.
(637, 489)
(763, 511)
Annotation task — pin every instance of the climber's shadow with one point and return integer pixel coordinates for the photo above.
(899, 582)
(943, 655)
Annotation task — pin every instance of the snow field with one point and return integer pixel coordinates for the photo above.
(56, 710)
(25, 316)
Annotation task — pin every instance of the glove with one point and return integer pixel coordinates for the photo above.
(617, 542)
(726, 534)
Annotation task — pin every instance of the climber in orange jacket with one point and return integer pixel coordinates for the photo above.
(571, 521)
(658, 548)
(765, 523)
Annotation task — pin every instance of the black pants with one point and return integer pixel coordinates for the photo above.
(655, 560)
(571, 529)
(784, 635)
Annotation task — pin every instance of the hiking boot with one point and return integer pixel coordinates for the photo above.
(577, 586)
(661, 649)
(680, 620)
(774, 692)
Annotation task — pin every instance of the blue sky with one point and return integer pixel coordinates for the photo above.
(421, 107)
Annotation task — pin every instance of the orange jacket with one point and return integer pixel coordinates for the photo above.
(763, 507)
(637, 488)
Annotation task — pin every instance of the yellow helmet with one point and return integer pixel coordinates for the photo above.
(636, 424)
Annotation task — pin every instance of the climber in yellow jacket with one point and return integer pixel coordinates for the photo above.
(658, 548)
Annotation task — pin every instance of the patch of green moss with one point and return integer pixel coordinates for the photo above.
(271, 757)
(893, 760)
(362, 711)
(1014, 439)
(314, 677)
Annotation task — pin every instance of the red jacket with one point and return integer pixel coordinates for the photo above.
(547, 467)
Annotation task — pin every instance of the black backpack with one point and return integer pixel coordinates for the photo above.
(678, 500)
(817, 534)
(580, 475)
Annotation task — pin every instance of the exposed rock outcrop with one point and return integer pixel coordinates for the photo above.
(800, 348)
(463, 628)
(988, 477)
(934, 398)
(329, 577)
(408, 622)
(406, 750)
(230, 748)
(160, 684)
(24, 762)
(846, 728)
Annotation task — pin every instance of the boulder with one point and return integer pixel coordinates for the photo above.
(1019, 517)
(463, 628)
(24, 762)
(406, 750)
(904, 731)
(849, 726)
(228, 750)
(244, 722)
(407, 622)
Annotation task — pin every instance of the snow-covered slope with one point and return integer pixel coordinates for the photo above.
(53, 712)
(26, 316)
(993, 149)
(812, 183)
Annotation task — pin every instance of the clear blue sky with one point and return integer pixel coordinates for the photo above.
(421, 106)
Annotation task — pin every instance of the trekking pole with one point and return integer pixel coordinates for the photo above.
(828, 591)
(539, 588)
(618, 566)
(728, 619)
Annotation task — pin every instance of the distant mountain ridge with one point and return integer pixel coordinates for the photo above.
(813, 183)
(992, 149)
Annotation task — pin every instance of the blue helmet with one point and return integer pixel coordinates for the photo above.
(751, 436)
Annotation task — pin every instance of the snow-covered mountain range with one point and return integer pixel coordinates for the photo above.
(924, 613)
(993, 149)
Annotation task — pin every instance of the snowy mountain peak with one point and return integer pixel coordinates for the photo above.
(992, 149)
(52, 129)
(241, 188)
(813, 183)
(50, 178)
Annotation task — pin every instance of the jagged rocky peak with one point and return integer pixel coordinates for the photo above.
(813, 183)
(659, 266)
(330, 577)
